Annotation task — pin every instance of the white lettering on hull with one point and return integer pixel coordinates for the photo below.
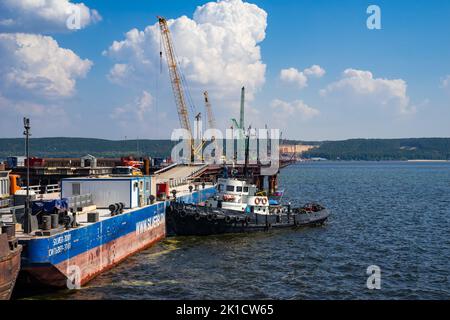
(150, 223)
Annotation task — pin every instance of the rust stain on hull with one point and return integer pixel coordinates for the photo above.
(9, 267)
(97, 260)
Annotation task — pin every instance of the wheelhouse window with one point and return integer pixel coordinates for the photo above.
(238, 189)
(245, 189)
(230, 188)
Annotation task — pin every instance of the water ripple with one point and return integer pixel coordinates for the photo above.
(394, 215)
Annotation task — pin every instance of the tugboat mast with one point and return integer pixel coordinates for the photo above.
(247, 146)
(27, 134)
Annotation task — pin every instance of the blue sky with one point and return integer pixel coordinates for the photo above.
(393, 82)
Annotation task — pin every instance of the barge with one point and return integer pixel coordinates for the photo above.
(9, 248)
(94, 233)
(9, 263)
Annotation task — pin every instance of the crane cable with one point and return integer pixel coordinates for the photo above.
(182, 78)
(184, 83)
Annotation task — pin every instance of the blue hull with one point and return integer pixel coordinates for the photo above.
(77, 255)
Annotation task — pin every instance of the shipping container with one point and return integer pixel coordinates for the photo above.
(35, 162)
(14, 162)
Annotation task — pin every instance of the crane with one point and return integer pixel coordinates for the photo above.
(211, 120)
(241, 124)
(175, 77)
(241, 120)
(177, 85)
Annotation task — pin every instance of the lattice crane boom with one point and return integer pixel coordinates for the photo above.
(175, 76)
(211, 120)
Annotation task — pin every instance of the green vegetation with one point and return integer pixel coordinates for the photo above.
(353, 149)
(77, 147)
(383, 149)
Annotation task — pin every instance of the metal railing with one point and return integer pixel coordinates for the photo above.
(52, 188)
(5, 202)
(201, 168)
(80, 201)
(44, 189)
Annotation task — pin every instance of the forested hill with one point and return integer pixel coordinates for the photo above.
(353, 149)
(383, 149)
(77, 147)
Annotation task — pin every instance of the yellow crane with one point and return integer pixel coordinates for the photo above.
(178, 91)
(176, 80)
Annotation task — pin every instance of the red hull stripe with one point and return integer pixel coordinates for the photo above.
(89, 264)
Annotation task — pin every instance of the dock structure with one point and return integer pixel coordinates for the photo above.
(178, 175)
(254, 173)
(52, 175)
(101, 232)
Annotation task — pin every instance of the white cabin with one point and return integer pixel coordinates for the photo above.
(132, 191)
(239, 195)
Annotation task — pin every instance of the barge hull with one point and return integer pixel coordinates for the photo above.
(84, 267)
(76, 256)
(9, 268)
(190, 225)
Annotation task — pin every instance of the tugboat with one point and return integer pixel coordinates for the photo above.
(239, 207)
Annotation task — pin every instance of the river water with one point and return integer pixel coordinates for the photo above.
(394, 215)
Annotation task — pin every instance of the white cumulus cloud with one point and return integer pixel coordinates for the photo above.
(43, 15)
(300, 78)
(315, 71)
(361, 85)
(36, 65)
(218, 49)
(296, 109)
(445, 83)
(136, 110)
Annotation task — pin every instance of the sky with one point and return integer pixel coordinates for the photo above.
(312, 69)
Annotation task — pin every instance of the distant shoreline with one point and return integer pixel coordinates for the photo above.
(427, 160)
(409, 149)
(391, 160)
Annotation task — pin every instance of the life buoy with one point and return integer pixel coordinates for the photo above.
(197, 216)
(227, 219)
(238, 218)
(257, 201)
(227, 197)
(264, 201)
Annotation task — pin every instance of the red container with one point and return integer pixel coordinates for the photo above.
(162, 188)
(35, 162)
